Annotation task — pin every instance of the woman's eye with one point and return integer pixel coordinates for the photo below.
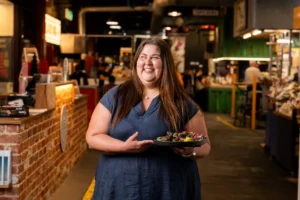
(155, 57)
(142, 56)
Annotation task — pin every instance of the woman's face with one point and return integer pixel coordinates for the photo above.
(149, 65)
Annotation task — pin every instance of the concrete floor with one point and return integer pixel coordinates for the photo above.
(237, 169)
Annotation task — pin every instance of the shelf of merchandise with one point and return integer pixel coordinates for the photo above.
(280, 53)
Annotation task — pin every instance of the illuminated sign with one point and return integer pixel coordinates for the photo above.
(69, 14)
(204, 12)
(53, 30)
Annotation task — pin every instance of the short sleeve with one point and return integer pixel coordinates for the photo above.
(193, 108)
(109, 100)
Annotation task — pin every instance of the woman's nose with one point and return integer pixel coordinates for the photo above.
(148, 61)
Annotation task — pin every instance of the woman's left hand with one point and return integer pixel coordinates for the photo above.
(184, 150)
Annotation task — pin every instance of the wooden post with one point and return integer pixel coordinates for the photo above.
(253, 113)
(233, 96)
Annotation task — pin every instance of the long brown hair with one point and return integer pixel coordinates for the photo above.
(173, 98)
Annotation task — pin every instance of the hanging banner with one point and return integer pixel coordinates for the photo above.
(178, 51)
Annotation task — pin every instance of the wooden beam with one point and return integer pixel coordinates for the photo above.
(253, 113)
(233, 96)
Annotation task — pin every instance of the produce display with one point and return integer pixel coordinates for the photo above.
(285, 93)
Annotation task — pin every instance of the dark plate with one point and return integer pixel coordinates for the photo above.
(180, 144)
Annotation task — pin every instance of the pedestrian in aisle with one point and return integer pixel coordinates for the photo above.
(127, 120)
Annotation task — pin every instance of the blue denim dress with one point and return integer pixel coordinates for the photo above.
(158, 173)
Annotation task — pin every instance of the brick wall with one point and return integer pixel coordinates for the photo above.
(38, 164)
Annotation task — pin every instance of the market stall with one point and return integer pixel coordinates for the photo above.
(282, 131)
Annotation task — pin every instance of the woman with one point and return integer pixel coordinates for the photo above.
(127, 120)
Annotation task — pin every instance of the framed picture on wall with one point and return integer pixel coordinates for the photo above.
(240, 16)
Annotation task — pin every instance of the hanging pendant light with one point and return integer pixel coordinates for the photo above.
(112, 20)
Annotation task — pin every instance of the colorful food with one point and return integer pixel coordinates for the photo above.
(184, 136)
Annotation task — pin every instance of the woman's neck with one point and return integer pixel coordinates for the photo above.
(150, 92)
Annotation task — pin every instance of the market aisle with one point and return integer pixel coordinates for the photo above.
(237, 169)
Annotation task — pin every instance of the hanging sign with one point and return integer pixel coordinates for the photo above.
(69, 14)
(53, 30)
(205, 12)
(296, 18)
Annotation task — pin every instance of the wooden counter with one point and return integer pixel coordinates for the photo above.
(22, 120)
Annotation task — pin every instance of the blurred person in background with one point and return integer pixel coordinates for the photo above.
(127, 120)
(102, 73)
(108, 86)
(189, 81)
(94, 69)
(201, 93)
(253, 71)
(80, 76)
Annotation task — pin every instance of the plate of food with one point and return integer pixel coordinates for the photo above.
(181, 139)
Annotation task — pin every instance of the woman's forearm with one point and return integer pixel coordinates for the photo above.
(202, 151)
(105, 144)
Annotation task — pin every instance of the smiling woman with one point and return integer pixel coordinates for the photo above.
(134, 114)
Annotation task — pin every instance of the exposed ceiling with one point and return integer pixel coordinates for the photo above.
(162, 7)
(145, 21)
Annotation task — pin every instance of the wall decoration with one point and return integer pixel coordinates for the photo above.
(177, 44)
(240, 16)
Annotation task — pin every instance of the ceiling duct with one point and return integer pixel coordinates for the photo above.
(83, 11)
(160, 5)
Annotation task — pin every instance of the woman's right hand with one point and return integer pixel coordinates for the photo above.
(132, 145)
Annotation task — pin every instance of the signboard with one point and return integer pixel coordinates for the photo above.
(63, 127)
(53, 30)
(203, 12)
(69, 14)
(296, 18)
(5, 58)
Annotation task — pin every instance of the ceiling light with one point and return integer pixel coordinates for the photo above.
(115, 27)
(269, 30)
(256, 32)
(240, 59)
(168, 28)
(275, 30)
(174, 13)
(109, 22)
(284, 41)
(247, 35)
